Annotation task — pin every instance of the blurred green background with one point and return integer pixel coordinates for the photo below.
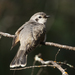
(60, 29)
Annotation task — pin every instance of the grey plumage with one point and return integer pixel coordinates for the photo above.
(30, 35)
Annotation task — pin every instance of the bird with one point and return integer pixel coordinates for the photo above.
(30, 35)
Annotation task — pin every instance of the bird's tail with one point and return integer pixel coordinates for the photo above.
(19, 60)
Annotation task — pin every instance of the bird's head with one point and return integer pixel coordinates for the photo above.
(40, 17)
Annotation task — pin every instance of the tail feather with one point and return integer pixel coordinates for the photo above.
(19, 60)
(24, 61)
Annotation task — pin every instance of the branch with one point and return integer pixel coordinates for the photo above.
(6, 34)
(54, 64)
(39, 72)
(59, 45)
(36, 66)
(46, 64)
(44, 43)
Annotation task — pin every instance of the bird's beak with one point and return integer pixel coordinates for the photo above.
(47, 16)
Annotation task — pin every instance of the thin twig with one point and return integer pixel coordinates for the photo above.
(30, 67)
(39, 72)
(33, 68)
(6, 34)
(59, 45)
(57, 54)
(38, 66)
(14, 72)
(54, 64)
(64, 63)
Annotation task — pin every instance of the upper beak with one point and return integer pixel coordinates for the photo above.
(47, 16)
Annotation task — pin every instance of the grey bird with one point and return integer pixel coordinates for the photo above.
(31, 34)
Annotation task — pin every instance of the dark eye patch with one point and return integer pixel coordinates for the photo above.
(40, 16)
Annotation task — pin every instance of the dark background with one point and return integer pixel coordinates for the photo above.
(60, 29)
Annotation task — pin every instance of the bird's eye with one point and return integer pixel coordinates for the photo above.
(40, 17)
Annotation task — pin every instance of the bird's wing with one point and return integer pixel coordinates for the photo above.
(15, 41)
(16, 38)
